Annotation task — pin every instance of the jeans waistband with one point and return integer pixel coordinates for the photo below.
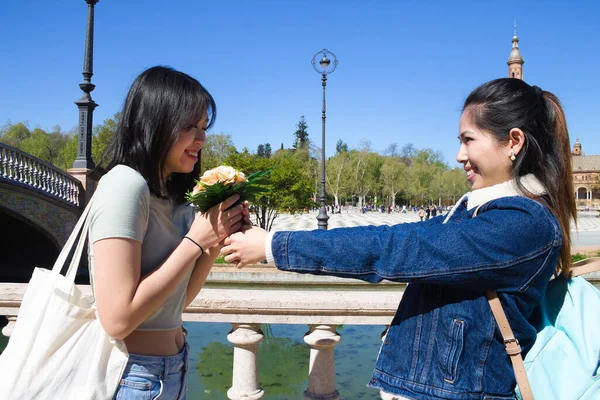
(158, 365)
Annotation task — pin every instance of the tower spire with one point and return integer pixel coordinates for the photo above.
(515, 60)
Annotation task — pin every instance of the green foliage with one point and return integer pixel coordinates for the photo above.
(578, 257)
(264, 150)
(102, 136)
(301, 134)
(341, 146)
(68, 154)
(13, 135)
(290, 183)
(217, 148)
(214, 194)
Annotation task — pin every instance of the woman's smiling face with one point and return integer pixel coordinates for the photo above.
(184, 153)
(486, 161)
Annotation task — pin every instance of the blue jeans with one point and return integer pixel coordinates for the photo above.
(150, 377)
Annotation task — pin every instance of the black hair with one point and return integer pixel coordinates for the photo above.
(161, 103)
(503, 104)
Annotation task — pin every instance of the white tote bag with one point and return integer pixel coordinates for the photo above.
(58, 349)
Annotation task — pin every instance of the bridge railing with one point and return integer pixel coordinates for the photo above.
(20, 168)
(263, 295)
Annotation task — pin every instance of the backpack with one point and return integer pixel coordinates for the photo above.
(564, 362)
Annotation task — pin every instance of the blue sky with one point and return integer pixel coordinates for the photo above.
(405, 67)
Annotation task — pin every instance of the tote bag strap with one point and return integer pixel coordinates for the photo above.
(512, 346)
(80, 228)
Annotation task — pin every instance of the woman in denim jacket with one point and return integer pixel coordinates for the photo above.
(444, 341)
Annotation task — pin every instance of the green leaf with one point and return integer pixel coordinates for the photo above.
(216, 193)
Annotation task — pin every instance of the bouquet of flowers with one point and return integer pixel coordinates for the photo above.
(219, 183)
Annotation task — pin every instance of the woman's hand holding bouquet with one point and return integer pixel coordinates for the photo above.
(219, 183)
(220, 197)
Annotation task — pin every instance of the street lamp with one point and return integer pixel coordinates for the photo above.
(86, 105)
(323, 67)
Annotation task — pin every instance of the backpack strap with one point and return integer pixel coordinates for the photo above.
(585, 266)
(513, 349)
(512, 346)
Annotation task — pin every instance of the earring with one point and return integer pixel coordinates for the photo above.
(512, 156)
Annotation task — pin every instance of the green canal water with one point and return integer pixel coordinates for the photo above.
(283, 360)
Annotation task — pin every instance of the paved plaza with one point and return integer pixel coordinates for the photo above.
(587, 233)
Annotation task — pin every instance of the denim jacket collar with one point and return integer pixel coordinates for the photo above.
(504, 189)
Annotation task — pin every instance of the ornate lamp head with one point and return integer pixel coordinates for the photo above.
(324, 66)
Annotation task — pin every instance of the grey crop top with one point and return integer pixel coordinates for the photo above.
(124, 208)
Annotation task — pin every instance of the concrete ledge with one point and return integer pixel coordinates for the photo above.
(269, 274)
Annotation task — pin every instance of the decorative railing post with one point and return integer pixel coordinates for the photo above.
(245, 339)
(8, 329)
(321, 373)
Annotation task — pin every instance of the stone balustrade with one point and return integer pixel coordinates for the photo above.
(20, 168)
(262, 295)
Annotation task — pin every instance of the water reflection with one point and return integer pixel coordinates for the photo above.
(283, 361)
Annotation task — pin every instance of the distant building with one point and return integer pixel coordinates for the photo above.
(586, 178)
(586, 169)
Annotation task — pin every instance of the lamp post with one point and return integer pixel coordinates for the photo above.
(86, 105)
(323, 67)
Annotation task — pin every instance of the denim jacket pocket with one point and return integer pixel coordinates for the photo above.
(455, 349)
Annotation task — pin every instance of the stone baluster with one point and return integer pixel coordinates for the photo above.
(25, 168)
(45, 180)
(8, 329)
(61, 186)
(37, 177)
(53, 187)
(12, 175)
(3, 163)
(20, 168)
(321, 373)
(245, 339)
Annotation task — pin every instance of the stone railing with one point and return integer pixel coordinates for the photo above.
(262, 295)
(20, 168)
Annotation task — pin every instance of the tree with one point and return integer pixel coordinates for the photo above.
(36, 144)
(289, 182)
(68, 152)
(425, 166)
(217, 148)
(395, 177)
(102, 137)
(363, 164)
(338, 174)
(341, 146)
(260, 150)
(391, 150)
(264, 150)
(13, 135)
(301, 134)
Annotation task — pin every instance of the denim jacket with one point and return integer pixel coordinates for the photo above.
(443, 341)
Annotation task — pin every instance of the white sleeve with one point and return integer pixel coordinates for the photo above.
(268, 251)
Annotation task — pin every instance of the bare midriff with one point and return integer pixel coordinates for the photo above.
(155, 343)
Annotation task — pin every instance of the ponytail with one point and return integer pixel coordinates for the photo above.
(563, 199)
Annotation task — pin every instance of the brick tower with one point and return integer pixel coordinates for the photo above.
(515, 60)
